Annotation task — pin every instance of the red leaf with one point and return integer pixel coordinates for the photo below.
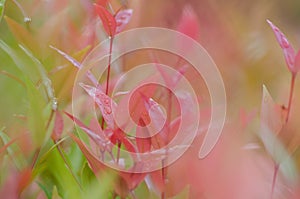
(102, 2)
(58, 126)
(108, 20)
(132, 178)
(105, 103)
(3, 148)
(15, 183)
(157, 179)
(122, 19)
(157, 122)
(25, 179)
(188, 23)
(143, 144)
(102, 142)
(119, 136)
(288, 51)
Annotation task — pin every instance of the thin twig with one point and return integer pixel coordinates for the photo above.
(13, 77)
(290, 97)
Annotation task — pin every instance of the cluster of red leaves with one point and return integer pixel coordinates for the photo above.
(146, 110)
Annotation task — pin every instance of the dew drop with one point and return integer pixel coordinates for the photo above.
(107, 110)
(27, 19)
(106, 101)
(54, 104)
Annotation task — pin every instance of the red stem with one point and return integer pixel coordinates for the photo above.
(118, 153)
(276, 168)
(13, 77)
(290, 97)
(109, 64)
(108, 73)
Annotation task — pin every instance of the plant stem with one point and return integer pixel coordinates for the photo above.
(118, 153)
(163, 174)
(108, 73)
(276, 168)
(109, 64)
(35, 157)
(290, 97)
(164, 162)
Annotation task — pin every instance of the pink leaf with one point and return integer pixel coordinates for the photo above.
(105, 103)
(156, 125)
(119, 136)
(122, 19)
(156, 114)
(157, 179)
(104, 135)
(143, 143)
(179, 75)
(288, 51)
(132, 178)
(58, 126)
(108, 20)
(77, 65)
(15, 183)
(188, 23)
(172, 80)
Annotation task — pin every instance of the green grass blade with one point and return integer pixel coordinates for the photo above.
(2, 5)
(36, 120)
(45, 79)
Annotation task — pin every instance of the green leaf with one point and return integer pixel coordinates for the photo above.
(45, 79)
(46, 191)
(36, 121)
(87, 176)
(22, 62)
(2, 5)
(55, 193)
(101, 187)
(21, 34)
(55, 173)
(278, 152)
(142, 191)
(271, 123)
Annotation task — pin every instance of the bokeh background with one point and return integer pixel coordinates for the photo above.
(236, 35)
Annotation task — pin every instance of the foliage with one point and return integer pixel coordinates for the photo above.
(52, 146)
